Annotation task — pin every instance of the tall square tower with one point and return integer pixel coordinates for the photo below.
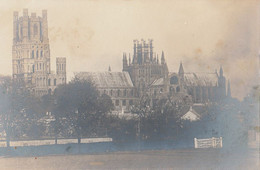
(31, 53)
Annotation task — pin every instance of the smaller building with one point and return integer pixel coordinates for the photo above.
(191, 115)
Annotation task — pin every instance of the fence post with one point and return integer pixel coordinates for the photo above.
(195, 143)
(213, 142)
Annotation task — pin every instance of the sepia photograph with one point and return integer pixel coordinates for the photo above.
(129, 84)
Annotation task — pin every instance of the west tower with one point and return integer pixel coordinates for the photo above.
(31, 52)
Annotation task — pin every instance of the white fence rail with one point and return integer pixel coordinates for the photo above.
(52, 142)
(208, 143)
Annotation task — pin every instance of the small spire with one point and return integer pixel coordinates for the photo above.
(129, 59)
(109, 68)
(221, 71)
(162, 58)
(181, 70)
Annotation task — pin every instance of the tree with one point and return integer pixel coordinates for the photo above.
(80, 104)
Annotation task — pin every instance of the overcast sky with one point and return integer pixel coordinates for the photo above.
(92, 35)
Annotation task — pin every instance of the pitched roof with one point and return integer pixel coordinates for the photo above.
(108, 79)
(191, 115)
(200, 79)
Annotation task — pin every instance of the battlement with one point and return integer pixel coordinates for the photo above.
(60, 60)
(30, 28)
(33, 14)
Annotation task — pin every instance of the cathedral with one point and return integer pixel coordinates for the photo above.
(145, 74)
(31, 54)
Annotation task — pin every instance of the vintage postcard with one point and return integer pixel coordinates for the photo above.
(129, 84)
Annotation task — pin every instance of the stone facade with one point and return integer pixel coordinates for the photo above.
(31, 54)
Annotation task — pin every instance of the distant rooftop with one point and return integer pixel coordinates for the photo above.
(108, 79)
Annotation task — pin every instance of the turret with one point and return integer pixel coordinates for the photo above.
(221, 72)
(229, 90)
(61, 65)
(162, 58)
(25, 23)
(151, 49)
(181, 70)
(221, 83)
(129, 59)
(15, 27)
(44, 26)
(124, 62)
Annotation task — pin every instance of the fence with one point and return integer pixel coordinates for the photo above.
(52, 142)
(208, 143)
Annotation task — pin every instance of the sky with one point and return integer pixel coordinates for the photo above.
(93, 34)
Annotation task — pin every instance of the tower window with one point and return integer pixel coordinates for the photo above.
(41, 53)
(124, 102)
(32, 54)
(35, 29)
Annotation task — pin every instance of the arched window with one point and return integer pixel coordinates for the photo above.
(41, 53)
(177, 89)
(54, 82)
(40, 66)
(49, 82)
(33, 68)
(35, 29)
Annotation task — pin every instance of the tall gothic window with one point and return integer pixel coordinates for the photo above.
(32, 54)
(35, 29)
